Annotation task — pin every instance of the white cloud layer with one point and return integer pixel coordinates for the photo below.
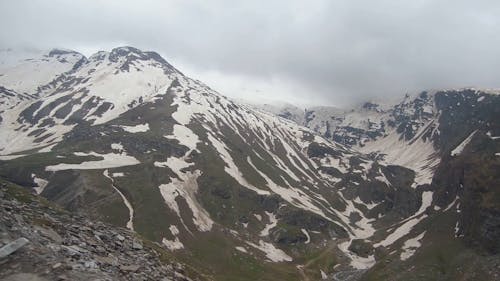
(323, 52)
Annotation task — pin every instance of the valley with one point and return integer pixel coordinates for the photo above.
(403, 191)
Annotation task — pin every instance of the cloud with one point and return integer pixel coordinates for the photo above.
(334, 52)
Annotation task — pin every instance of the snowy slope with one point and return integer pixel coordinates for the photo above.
(406, 133)
(41, 69)
(69, 88)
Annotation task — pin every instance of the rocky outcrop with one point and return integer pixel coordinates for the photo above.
(65, 246)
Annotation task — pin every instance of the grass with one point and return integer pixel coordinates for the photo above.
(441, 257)
(214, 253)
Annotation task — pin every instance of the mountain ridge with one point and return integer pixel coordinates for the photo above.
(128, 139)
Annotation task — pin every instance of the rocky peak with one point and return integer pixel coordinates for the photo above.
(371, 106)
(125, 50)
(68, 56)
(61, 52)
(128, 55)
(99, 56)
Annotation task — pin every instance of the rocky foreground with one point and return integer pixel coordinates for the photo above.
(65, 246)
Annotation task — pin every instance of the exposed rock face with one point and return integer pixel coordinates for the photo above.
(64, 246)
(361, 248)
(468, 184)
(450, 113)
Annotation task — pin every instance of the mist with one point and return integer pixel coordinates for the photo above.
(311, 53)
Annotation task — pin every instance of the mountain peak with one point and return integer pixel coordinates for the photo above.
(128, 54)
(58, 51)
(125, 50)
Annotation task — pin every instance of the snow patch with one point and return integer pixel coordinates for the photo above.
(130, 223)
(272, 253)
(362, 228)
(174, 230)
(426, 202)
(230, 168)
(410, 246)
(241, 249)
(410, 222)
(458, 150)
(492, 137)
(110, 160)
(186, 187)
(174, 164)
(451, 204)
(41, 184)
(10, 157)
(457, 229)
(401, 231)
(369, 206)
(175, 244)
(382, 178)
(141, 128)
(48, 148)
(357, 262)
(185, 136)
(307, 235)
(324, 276)
(416, 154)
(292, 195)
(172, 245)
(117, 146)
(272, 223)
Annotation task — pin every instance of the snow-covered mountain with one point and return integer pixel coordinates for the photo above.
(429, 134)
(414, 132)
(240, 193)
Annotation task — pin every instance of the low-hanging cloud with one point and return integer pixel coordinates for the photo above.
(335, 52)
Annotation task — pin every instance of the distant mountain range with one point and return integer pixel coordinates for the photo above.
(257, 192)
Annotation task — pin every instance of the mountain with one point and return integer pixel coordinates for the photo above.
(242, 194)
(415, 133)
(449, 138)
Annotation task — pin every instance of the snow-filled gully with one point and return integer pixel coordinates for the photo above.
(130, 222)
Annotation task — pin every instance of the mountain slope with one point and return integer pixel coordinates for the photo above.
(234, 191)
(414, 132)
(74, 247)
(449, 139)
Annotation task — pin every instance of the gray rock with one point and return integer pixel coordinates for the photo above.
(19, 218)
(49, 233)
(137, 245)
(73, 252)
(130, 268)
(90, 264)
(12, 247)
(107, 260)
(24, 277)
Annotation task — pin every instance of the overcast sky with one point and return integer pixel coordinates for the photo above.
(314, 52)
